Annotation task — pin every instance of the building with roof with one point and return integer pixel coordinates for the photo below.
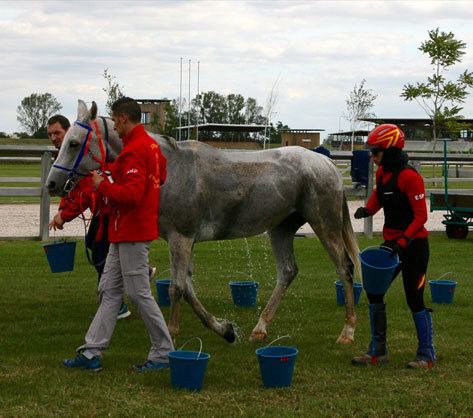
(342, 139)
(307, 138)
(153, 114)
(223, 135)
(420, 129)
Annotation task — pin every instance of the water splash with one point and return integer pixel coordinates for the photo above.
(236, 329)
(250, 261)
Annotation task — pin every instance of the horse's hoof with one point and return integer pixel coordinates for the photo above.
(229, 334)
(258, 336)
(344, 340)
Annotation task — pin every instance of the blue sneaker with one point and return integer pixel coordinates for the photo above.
(82, 362)
(124, 312)
(150, 365)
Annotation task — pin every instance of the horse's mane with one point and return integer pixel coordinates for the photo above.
(171, 141)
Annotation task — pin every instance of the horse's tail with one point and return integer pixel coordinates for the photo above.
(349, 238)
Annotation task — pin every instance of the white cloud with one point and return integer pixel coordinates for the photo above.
(318, 50)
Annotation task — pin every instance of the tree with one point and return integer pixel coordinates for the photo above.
(112, 90)
(276, 131)
(269, 111)
(35, 110)
(253, 112)
(359, 103)
(41, 133)
(212, 107)
(432, 96)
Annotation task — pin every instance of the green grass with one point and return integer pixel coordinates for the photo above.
(44, 317)
(25, 141)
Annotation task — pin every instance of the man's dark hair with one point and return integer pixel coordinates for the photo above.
(129, 107)
(62, 120)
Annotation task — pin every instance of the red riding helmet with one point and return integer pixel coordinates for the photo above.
(385, 136)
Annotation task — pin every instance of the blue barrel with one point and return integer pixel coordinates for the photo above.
(442, 291)
(276, 365)
(357, 291)
(244, 293)
(377, 268)
(162, 289)
(188, 369)
(60, 255)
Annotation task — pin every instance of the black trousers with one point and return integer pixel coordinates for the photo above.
(413, 266)
(99, 249)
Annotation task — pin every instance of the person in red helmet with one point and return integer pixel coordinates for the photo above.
(400, 192)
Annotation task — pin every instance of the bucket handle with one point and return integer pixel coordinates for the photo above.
(161, 272)
(283, 336)
(190, 339)
(444, 274)
(54, 236)
(246, 274)
(377, 247)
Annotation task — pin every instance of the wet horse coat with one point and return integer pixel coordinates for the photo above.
(212, 194)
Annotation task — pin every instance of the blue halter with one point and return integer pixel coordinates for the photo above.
(73, 170)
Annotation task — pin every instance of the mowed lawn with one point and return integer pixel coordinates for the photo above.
(44, 317)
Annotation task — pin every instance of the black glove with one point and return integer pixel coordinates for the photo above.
(362, 213)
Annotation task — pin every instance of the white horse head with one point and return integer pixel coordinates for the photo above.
(85, 148)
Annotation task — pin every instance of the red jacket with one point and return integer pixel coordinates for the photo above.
(412, 185)
(136, 174)
(82, 197)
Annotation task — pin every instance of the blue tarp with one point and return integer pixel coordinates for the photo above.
(359, 167)
(322, 150)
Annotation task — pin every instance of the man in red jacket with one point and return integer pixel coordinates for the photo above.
(133, 192)
(82, 197)
(400, 192)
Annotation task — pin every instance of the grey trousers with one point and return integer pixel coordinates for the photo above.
(127, 268)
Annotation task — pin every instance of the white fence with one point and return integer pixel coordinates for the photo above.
(13, 153)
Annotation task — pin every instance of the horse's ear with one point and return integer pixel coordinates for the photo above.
(93, 111)
(82, 111)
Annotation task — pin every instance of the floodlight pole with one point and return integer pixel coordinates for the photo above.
(198, 102)
(189, 105)
(180, 101)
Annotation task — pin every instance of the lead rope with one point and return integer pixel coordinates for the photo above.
(102, 161)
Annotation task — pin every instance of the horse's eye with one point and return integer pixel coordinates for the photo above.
(74, 144)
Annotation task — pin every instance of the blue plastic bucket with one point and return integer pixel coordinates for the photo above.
(162, 288)
(244, 293)
(276, 365)
(357, 291)
(377, 268)
(188, 368)
(442, 291)
(60, 255)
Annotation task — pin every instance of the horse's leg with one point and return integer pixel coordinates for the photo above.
(222, 327)
(181, 252)
(332, 240)
(180, 256)
(282, 238)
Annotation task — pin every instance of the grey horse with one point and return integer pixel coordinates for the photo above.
(212, 194)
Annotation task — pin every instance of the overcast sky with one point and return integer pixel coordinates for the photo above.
(316, 51)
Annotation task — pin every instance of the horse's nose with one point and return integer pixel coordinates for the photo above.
(51, 185)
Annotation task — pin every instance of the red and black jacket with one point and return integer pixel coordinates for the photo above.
(401, 194)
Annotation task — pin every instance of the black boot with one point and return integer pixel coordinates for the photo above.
(377, 352)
